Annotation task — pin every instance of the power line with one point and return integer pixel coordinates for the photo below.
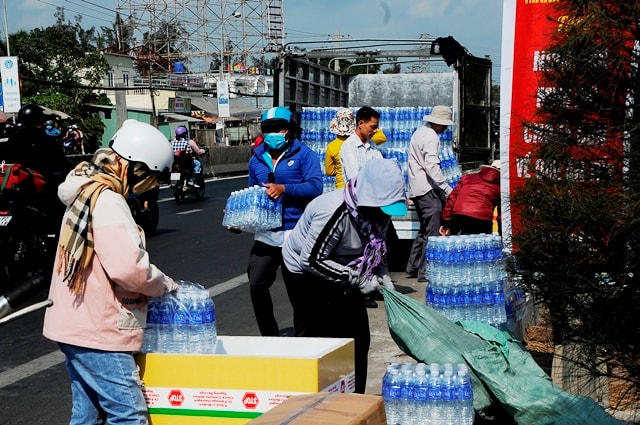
(88, 8)
(82, 13)
(96, 5)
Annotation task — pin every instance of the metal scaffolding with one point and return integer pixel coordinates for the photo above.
(208, 36)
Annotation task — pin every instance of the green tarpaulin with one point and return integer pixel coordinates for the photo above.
(501, 368)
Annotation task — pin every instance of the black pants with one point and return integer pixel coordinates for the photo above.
(332, 310)
(428, 208)
(465, 225)
(264, 261)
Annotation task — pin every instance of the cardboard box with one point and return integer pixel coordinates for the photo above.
(246, 377)
(326, 409)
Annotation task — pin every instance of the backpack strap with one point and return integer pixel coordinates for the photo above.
(6, 169)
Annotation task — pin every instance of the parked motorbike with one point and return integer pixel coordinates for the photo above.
(29, 226)
(11, 303)
(184, 182)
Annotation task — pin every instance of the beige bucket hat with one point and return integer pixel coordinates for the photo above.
(440, 114)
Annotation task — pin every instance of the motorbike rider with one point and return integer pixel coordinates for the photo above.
(29, 145)
(185, 145)
(51, 130)
(103, 276)
(73, 140)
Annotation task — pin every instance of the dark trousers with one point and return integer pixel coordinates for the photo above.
(264, 261)
(335, 310)
(465, 225)
(429, 209)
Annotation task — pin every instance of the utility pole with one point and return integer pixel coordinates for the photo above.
(6, 27)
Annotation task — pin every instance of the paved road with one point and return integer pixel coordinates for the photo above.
(192, 245)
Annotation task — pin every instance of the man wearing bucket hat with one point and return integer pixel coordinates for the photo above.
(336, 254)
(469, 207)
(427, 185)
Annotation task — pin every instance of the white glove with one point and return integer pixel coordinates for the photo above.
(355, 279)
(386, 281)
(369, 285)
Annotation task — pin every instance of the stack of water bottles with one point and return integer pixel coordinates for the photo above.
(398, 124)
(181, 322)
(448, 160)
(466, 275)
(251, 210)
(438, 394)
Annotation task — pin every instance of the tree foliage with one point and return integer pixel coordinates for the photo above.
(393, 68)
(579, 248)
(58, 66)
(168, 41)
(369, 66)
(117, 38)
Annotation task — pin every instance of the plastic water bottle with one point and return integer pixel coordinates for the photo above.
(464, 399)
(165, 310)
(499, 312)
(448, 390)
(406, 396)
(150, 340)
(420, 396)
(262, 209)
(487, 303)
(201, 333)
(391, 393)
(192, 299)
(478, 311)
(464, 299)
(210, 332)
(181, 325)
(434, 395)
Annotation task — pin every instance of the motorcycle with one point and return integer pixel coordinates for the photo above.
(29, 226)
(11, 302)
(183, 181)
(144, 210)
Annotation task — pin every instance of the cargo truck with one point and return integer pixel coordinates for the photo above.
(315, 92)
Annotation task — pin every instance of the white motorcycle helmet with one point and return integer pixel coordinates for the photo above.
(140, 142)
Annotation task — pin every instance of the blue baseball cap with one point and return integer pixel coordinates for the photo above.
(277, 113)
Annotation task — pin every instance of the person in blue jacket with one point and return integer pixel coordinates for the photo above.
(290, 170)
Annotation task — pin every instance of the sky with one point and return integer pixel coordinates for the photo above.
(476, 24)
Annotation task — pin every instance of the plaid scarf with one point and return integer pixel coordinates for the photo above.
(376, 247)
(107, 171)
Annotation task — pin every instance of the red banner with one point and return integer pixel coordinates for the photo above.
(528, 26)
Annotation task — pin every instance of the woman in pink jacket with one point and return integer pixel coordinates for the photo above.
(102, 276)
(469, 207)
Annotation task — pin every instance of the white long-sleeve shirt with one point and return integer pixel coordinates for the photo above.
(354, 154)
(423, 160)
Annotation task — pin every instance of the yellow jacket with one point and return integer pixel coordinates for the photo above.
(332, 165)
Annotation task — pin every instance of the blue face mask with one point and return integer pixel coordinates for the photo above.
(275, 141)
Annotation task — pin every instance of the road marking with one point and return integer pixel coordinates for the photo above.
(28, 369)
(190, 211)
(25, 370)
(228, 285)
